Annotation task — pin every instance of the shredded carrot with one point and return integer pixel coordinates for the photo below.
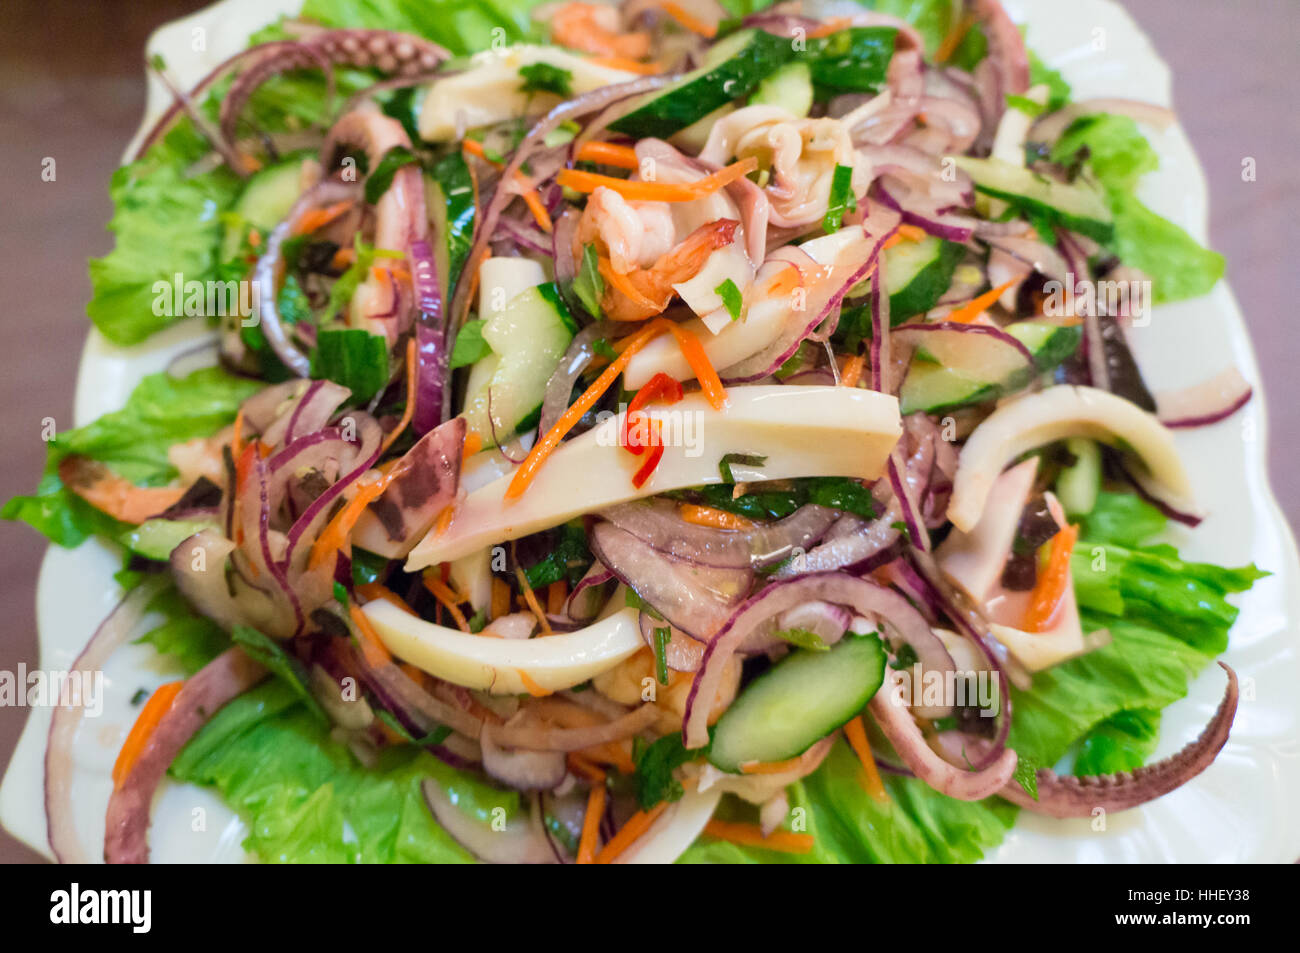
(372, 646)
(834, 25)
(531, 686)
(317, 218)
(500, 598)
(856, 733)
(691, 22)
(159, 703)
(771, 767)
(342, 258)
(530, 599)
(335, 536)
(658, 191)
(972, 309)
(624, 286)
(556, 593)
(852, 372)
(627, 65)
(953, 40)
(534, 203)
(627, 835)
(445, 517)
(591, 824)
(254, 238)
(236, 436)
(475, 148)
(582, 766)
(449, 598)
(691, 349)
(527, 191)
(1052, 582)
(613, 753)
(913, 233)
(751, 835)
(708, 516)
(370, 591)
(409, 412)
(472, 445)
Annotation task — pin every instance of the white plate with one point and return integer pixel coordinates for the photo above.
(1238, 810)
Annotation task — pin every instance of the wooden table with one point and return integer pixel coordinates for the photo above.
(72, 89)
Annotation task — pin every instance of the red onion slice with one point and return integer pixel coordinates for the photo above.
(523, 841)
(1205, 403)
(227, 676)
(860, 595)
(112, 633)
(657, 523)
(432, 394)
(522, 770)
(696, 599)
(326, 192)
(896, 722)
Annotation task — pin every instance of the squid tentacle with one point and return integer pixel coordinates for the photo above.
(1065, 796)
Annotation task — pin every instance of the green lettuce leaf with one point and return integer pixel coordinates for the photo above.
(1122, 742)
(1117, 155)
(161, 411)
(462, 26)
(306, 799)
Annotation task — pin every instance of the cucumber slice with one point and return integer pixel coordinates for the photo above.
(527, 339)
(797, 702)
(918, 273)
(1078, 484)
(732, 69)
(790, 87)
(156, 538)
(1076, 206)
(264, 203)
(934, 386)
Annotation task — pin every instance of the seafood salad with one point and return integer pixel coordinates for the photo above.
(642, 433)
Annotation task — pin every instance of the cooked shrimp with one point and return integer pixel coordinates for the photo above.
(597, 28)
(632, 234)
(109, 493)
(642, 293)
(800, 153)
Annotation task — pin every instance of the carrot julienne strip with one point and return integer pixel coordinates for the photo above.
(627, 835)
(972, 309)
(159, 703)
(372, 647)
(591, 824)
(658, 191)
(751, 835)
(1052, 582)
(449, 599)
(608, 153)
(856, 733)
(690, 21)
(409, 412)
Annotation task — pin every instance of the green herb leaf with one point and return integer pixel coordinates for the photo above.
(272, 656)
(589, 286)
(470, 348)
(545, 78)
(381, 176)
(354, 358)
(842, 199)
(1026, 775)
(731, 297)
(662, 636)
(744, 459)
(655, 765)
